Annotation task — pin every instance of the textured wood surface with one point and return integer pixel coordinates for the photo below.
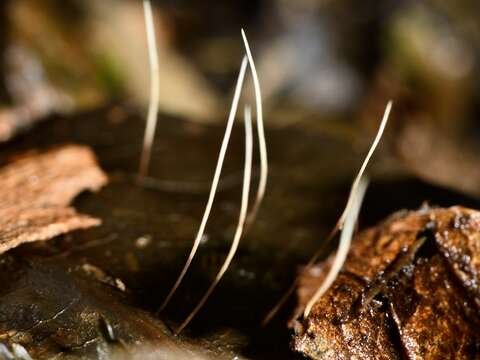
(35, 191)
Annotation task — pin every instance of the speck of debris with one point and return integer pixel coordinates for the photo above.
(143, 241)
(101, 276)
(204, 239)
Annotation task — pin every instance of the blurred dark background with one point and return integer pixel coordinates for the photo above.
(317, 59)
(326, 66)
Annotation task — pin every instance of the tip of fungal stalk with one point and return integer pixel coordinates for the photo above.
(262, 183)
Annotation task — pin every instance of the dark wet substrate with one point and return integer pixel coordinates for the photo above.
(53, 303)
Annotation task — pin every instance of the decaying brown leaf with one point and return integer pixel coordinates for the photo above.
(409, 289)
(35, 191)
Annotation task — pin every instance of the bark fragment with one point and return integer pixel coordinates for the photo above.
(36, 190)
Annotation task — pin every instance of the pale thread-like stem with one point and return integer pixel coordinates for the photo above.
(154, 90)
(381, 128)
(247, 174)
(262, 183)
(271, 314)
(216, 179)
(339, 224)
(351, 217)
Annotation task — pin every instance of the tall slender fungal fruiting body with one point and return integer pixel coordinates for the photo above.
(262, 183)
(216, 179)
(356, 182)
(247, 175)
(341, 220)
(348, 227)
(154, 90)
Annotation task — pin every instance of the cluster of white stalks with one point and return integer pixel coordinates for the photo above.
(245, 218)
(345, 223)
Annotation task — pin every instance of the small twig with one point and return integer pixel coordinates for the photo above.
(241, 220)
(216, 179)
(154, 90)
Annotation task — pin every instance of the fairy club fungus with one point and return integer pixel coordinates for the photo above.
(341, 253)
(246, 218)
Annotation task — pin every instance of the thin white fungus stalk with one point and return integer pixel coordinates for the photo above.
(381, 128)
(262, 183)
(355, 200)
(292, 287)
(216, 179)
(154, 90)
(340, 222)
(247, 175)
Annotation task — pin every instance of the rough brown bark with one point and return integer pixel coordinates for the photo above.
(35, 191)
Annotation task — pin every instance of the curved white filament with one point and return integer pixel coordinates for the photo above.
(216, 179)
(262, 183)
(344, 245)
(341, 220)
(247, 174)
